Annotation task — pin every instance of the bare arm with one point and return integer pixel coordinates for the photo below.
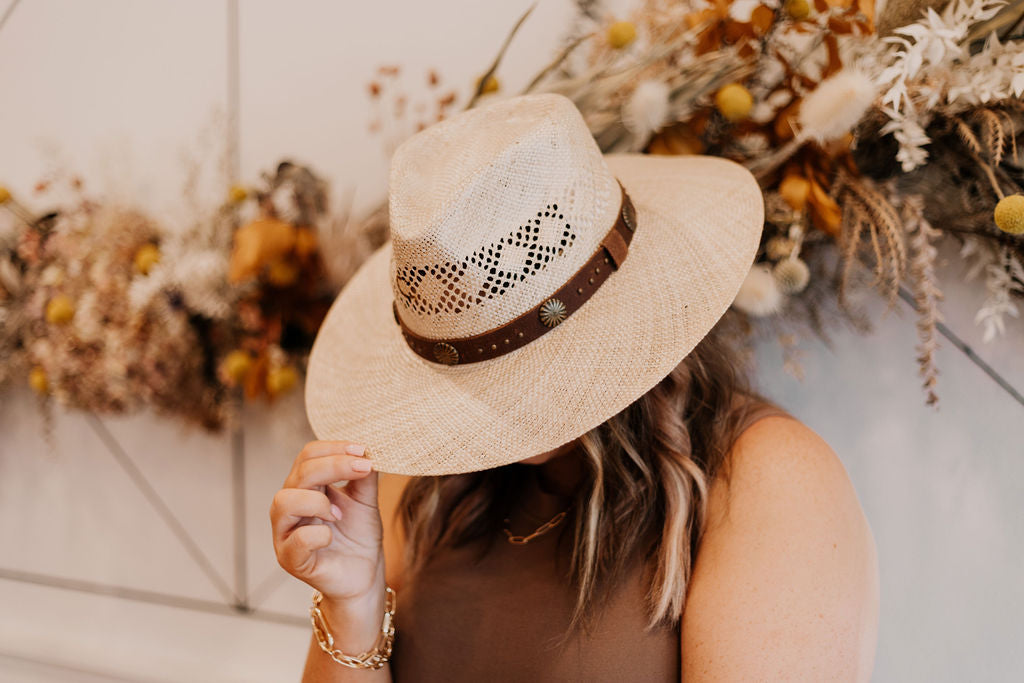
(363, 622)
(332, 539)
(355, 629)
(785, 585)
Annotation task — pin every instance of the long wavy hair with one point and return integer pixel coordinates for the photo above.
(644, 492)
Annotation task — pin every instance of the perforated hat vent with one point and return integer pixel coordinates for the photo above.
(466, 259)
(533, 244)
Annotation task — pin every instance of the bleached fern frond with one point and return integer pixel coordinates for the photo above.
(1004, 276)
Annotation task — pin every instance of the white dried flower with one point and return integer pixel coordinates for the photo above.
(52, 275)
(283, 199)
(836, 105)
(759, 295)
(144, 287)
(767, 109)
(87, 321)
(911, 137)
(791, 275)
(646, 110)
(201, 278)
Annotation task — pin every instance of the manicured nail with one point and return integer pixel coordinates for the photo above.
(355, 449)
(361, 465)
(336, 511)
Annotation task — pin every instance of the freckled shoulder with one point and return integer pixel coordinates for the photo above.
(389, 491)
(785, 583)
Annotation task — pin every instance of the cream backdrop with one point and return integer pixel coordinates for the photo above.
(118, 89)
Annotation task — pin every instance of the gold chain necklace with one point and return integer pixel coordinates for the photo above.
(543, 528)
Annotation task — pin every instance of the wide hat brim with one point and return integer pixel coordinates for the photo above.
(699, 222)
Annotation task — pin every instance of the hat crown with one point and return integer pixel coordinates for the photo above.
(492, 210)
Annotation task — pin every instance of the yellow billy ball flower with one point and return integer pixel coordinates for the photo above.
(60, 309)
(282, 379)
(146, 257)
(37, 380)
(236, 366)
(490, 85)
(734, 102)
(5, 195)
(1009, 214)
(621, 34)
(798, 9)
(237, 194)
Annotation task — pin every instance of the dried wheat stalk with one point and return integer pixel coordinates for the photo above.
(867, 209)
(925, 289)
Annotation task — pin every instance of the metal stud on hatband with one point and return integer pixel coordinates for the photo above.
(552, 312)
(629, 215)
(446, 353)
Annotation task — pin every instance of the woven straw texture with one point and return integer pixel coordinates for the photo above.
(519, 188)
(479, 179)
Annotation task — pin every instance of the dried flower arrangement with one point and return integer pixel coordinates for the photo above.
(870, 145)
(105, 310)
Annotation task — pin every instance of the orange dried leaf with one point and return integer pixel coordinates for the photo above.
(762, 19)
(835, 62)
(257, 244)
(736, 31)
(256, 379)
(784, 121)
(677, 139)
(795, 189)
(825, 212)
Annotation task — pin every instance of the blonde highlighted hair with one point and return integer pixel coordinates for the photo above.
(644, 495)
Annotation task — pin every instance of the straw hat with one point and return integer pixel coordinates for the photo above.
(532, 288)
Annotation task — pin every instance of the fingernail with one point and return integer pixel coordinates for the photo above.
(361, 465)
(355, 449)
(336, 511)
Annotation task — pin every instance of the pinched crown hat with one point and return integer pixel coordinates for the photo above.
(531, 289)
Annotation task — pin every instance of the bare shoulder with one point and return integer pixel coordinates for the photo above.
(785, 583)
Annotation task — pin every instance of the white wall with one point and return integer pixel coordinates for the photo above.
(118, 89)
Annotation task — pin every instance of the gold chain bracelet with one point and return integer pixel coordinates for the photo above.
(375, 657)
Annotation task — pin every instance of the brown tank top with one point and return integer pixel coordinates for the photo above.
(497, 618)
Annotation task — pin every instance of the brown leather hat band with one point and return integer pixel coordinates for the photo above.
(542, 317)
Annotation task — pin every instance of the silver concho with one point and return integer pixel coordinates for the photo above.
(446, 353)
(552, 312)
(629, 215)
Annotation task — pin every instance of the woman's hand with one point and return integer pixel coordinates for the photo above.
(331, 537)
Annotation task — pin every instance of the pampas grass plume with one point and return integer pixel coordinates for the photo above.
(833, 108)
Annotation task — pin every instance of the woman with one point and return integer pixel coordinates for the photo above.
(595, 492)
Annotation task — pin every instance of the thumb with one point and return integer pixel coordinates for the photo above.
(364, 489)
